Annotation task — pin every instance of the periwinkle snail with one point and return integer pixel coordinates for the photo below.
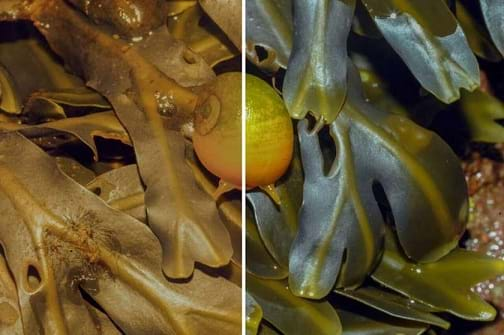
(269, 134)
(218, 130)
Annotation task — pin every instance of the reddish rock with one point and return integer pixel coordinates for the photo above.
(485, 177)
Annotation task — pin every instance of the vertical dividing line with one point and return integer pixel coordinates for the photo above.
(243, 159)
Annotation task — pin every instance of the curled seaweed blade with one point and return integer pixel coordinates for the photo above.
(10, 316)
(378, 94)
(431, 42)
(482, 111)
(75, 170)
(173, 8)
(395, 305)
(291, 314)
(364, 324)
(74, 241)
(9, 99)
(259, 261)
(227, 14)
(276, 232)
(85, 128)
(269, 26)
(144, 82)
(44, 105)
(266, 329)
(121, 189)
(201, 36)
(493, 12)
(380, 157)
(315, 81)
(31, 65)
(363, 24)
(445, 285)
(332, 220)
(477, 35)
(254, 315)
(230, 211)
(278, 223)
(75, 97)
(187, 235)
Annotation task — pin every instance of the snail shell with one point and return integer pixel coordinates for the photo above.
(269, 136)
(218, 130)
